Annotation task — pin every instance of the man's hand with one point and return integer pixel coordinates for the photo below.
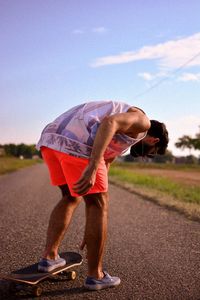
(109, 162)
(86, 181)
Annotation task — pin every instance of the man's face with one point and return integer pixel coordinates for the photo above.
(143, 148)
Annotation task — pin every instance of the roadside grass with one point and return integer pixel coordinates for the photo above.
(179, 191)
(160, 166)
(10, 164)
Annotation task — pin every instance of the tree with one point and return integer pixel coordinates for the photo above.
(10, 149)
(196, 141)
(27, 151)
(188, 142)
(184, 142)
(166, 158)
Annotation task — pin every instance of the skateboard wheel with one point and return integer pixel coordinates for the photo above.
(37, 291)
(71, 275)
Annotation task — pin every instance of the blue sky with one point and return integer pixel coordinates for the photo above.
(57, 54)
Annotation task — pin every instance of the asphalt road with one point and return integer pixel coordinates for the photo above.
(155, 252)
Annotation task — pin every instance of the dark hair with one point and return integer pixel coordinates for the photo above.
(159, 130)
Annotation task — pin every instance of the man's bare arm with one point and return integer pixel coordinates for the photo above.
(131, 123)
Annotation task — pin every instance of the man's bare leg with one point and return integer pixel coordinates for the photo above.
(59, 221)
(96, 231)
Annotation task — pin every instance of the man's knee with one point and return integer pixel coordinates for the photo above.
(66, 196)
(98, 200)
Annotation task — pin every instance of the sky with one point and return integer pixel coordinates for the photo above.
(58, 54)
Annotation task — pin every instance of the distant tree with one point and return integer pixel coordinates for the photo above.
(128, 158)
(10, 149)
(188, 142)
(27, 151)
(196, 141)
(184, 142)
(191, 159)
(167, 157)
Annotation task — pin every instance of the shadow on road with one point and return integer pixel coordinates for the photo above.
(6, 294)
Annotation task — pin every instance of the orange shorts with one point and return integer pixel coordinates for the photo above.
(67, 169)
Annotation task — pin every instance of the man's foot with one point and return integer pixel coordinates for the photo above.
(98, 284)
(48, 265)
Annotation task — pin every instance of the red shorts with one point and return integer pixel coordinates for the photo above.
(67, 169)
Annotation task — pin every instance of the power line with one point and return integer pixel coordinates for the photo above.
(167, 78)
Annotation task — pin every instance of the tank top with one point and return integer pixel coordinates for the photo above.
(74, 131)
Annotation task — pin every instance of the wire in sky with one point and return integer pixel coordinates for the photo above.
(167, 78)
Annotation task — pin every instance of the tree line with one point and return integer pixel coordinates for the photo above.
(26, 151)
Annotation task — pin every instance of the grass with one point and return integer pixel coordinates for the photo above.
(189, 194)
(160, 166)
(10, 164)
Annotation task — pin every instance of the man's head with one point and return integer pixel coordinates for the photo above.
(155, 142)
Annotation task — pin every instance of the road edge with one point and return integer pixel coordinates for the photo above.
(189, 210)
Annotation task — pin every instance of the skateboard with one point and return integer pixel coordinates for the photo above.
(29, 277)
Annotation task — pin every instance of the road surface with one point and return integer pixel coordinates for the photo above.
(155, 252)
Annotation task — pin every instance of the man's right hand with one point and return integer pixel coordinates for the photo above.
(86, 181)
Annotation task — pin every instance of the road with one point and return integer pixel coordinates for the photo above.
(155, 252)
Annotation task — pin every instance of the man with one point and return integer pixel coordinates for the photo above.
(78, 148)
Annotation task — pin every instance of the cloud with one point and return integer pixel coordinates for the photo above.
(189, 77)
(149, 77)
(169, 55)
(78, 31)
(185, 77)
(99, 29)
(146, 76)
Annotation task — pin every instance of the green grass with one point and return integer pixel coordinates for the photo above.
(179, 191)
(160, 166)
(10, 164)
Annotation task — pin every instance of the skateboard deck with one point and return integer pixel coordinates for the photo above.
(30, 276)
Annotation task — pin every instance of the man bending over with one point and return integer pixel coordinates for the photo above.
(78, 148)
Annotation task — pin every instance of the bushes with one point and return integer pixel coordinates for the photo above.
(27, 151)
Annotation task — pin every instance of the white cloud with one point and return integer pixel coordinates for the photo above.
(99, 29)
(146, 76)
(189, 77)
(149, 76)
(170, 54)
(177, 127)
(185, 77)
(78, 31)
